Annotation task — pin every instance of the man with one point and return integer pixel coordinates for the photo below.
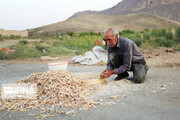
(123, 56)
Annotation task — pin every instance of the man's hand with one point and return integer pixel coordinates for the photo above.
(106, 73)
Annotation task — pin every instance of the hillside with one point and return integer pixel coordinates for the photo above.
(97, 23)
(165, 8)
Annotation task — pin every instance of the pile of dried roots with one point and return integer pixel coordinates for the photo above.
(54, 89)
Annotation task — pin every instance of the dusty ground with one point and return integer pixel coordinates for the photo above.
(157, 98)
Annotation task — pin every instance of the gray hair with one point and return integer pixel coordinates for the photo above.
(114, 31)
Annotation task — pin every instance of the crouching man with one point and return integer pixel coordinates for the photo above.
(123, 56)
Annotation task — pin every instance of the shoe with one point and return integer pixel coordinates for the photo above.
(121, 76)
(130, 78)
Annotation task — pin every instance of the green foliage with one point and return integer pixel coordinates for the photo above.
(146, 36)
(89, 33)
(169, 35)
(21, 52)
(57, 43)
(71, 33)
(41, 47)
(59, 37)
(153, 39)
(3, 37)
(145, 30)
(124, 32)
(137, 39)
(75, 44)
(163, 42)
(2, 55)
(177, 34)
(81, 43)
(14, 37)
(158, 33)
(58, 51)
(23, 42)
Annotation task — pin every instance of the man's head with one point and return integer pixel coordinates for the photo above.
(110, 36)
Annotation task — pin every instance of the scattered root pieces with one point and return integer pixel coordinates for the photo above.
(55, 89)
(43, 116)
(108, 103)
(71, 112)
(61, 112)
(116, 96)
(163, 87)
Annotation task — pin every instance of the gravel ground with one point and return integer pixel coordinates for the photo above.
(157, 98)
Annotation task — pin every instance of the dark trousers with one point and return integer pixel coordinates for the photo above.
(139, 68)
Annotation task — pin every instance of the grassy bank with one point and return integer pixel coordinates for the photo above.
(11, 37)
(75, 44)
(58, 45)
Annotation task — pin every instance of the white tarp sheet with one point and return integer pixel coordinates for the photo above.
(90, 58)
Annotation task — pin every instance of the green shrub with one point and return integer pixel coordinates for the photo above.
(4, 37)
(146, 30)
(163, 42)
(147, 45)
(83, 34)
(177, 34)
(158, 33)
(1, 37)
(71, 33)
(126, 32)
(2, 55)
(58, 51)
(21, 52)
(15, 37)
(146, 36)
(136, 37)
(23, 42)
(91, 33)
(41, 47)
(169, 35)
(59, 37)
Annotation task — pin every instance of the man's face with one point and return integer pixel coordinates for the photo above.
(108, 37)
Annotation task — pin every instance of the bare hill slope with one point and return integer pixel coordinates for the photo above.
(165, 8)
(97, 23)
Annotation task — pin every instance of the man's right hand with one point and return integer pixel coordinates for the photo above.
(106, 73)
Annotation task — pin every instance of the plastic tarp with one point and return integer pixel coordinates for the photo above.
(100, 53)
(90, 58)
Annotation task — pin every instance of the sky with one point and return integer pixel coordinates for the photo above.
(27, 14)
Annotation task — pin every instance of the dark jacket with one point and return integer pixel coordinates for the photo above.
(128, 53)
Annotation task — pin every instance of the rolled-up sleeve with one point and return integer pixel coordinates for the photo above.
(126, 61)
